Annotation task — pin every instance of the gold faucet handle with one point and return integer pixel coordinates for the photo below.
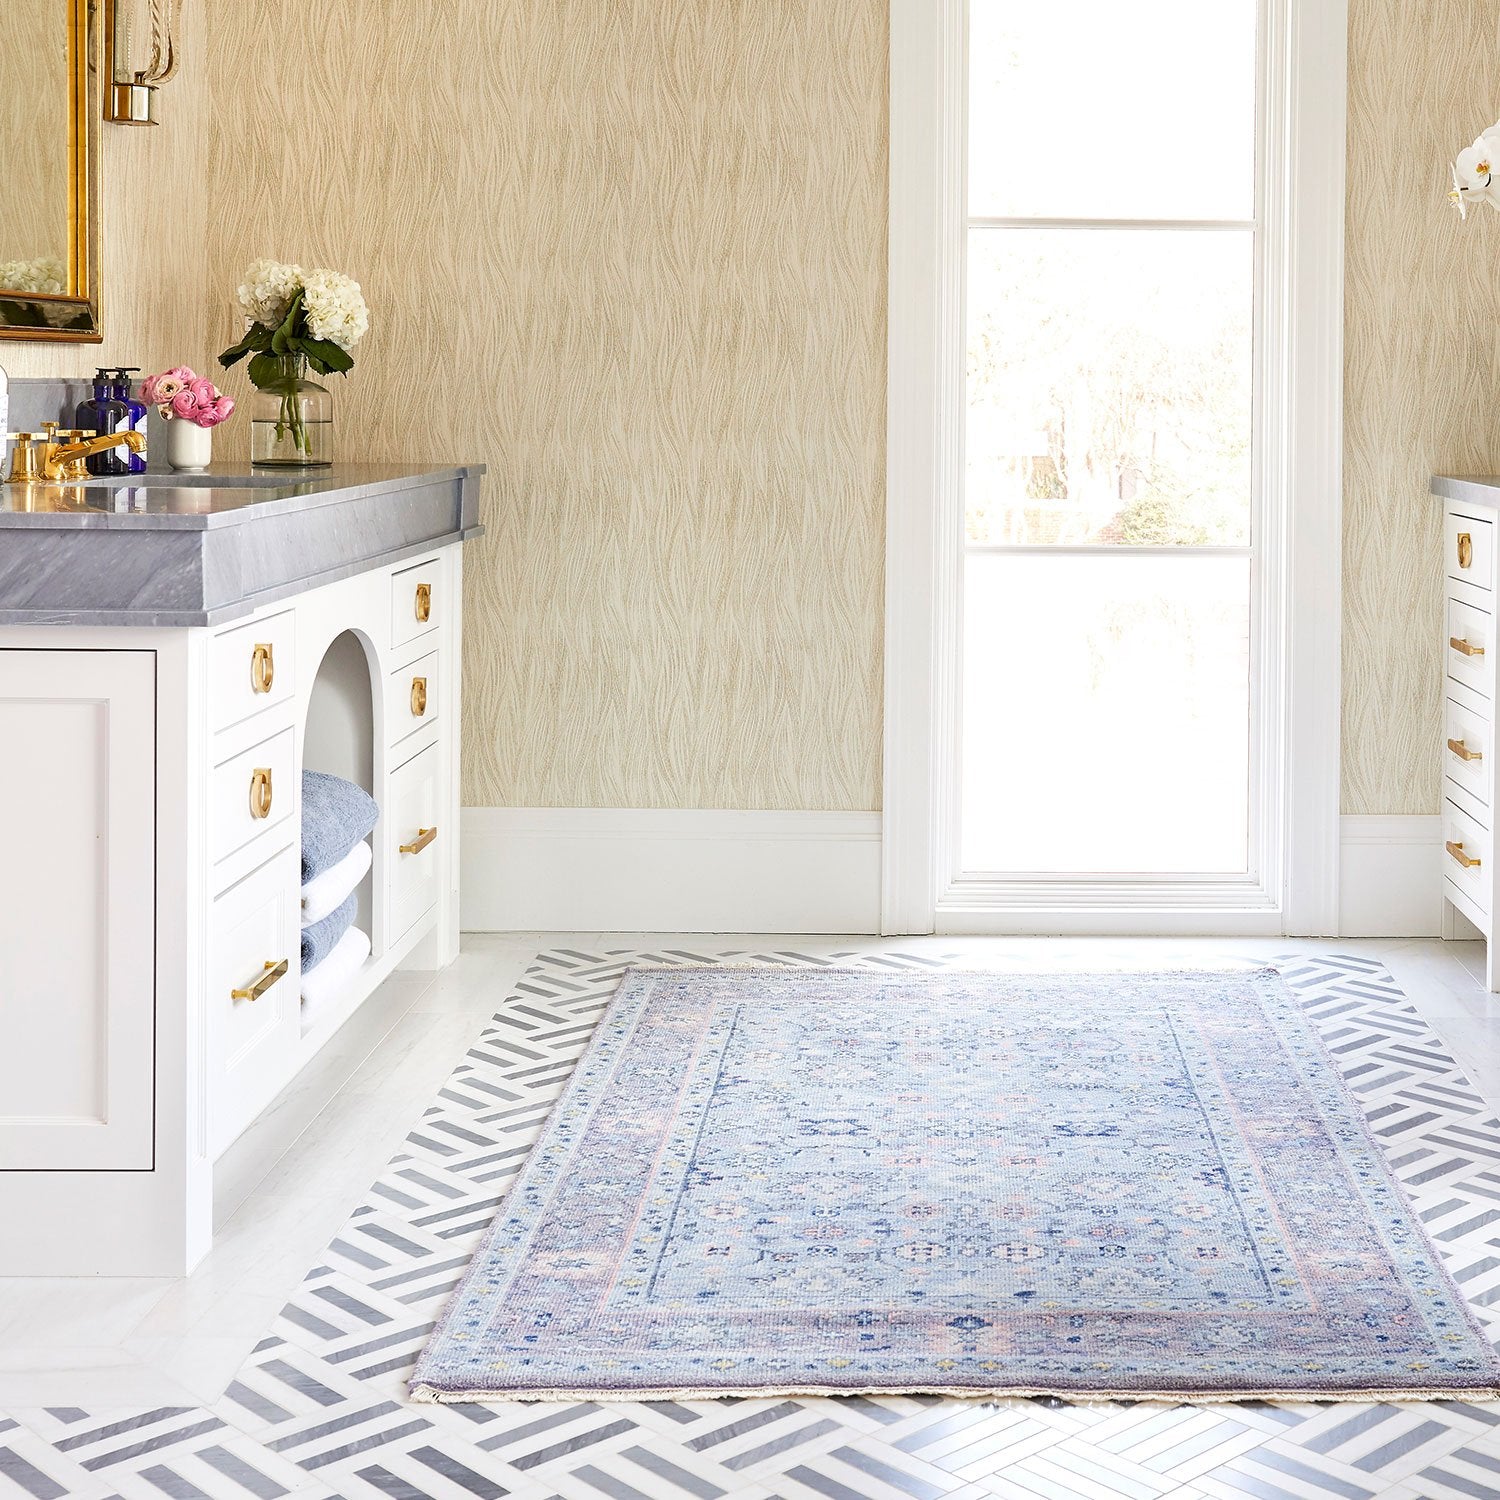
(23, 469)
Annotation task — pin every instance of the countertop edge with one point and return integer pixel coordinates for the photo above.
(240, 609)
(1473, 489)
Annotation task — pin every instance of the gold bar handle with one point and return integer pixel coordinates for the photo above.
(424, 602)
(1465, 647)
(273, 972)
(260, 792)
(1465, 550)
(1457, 851)
(262, 668)
(1463, 752)
(418, 696)
(424, 837)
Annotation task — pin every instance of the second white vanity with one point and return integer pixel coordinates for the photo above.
(1471, 586)
(173, 652)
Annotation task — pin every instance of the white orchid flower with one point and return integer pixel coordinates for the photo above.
(1474, 173)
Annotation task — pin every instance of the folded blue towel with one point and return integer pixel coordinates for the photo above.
(336, 815)
(319, 940)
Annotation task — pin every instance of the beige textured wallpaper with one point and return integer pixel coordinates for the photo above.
(631, 254)
(153, 225)
(1422, 386)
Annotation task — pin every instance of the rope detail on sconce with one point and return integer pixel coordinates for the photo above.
(141, 52)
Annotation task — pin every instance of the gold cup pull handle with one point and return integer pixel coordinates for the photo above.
(262, 668)
(418, 696)
(1463, 752)
(260, 792)
(424, 837)
(1465, 550)
(1464, 648)
(1457, 851)
(272, 972)
(424, 602)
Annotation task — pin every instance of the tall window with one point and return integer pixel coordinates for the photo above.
(1111, 506)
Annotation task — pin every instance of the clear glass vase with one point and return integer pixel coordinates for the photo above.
(291, 420)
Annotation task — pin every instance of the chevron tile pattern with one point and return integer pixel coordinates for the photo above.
(319, 1409)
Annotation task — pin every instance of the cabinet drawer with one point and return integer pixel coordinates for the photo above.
(251, 793)
(1468, 550)
(1470, 640)
(253, 1003)
(1466, 855)
(1468, 742)
(417, 600)
(251, 668)
(416, 853)
(411, 698)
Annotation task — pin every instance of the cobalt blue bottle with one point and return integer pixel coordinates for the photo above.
(135, 416)
(103, 412)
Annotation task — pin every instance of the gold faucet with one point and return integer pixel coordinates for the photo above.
(56, 462)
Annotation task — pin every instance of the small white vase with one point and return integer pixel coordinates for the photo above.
(190, 448)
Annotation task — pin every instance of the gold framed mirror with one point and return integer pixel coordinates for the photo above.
(49, 142)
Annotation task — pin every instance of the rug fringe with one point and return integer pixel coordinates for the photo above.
(426, 1394)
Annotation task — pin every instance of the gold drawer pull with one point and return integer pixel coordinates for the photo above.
(273, 972)
(424, 837)
(262, 668)
(1465, 647)
(260, 792)
(418, 696)
(1465, 550)
(424, 602)
(1457, 851)
(1463, 752)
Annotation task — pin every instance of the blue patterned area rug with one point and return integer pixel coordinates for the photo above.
(782, 1181)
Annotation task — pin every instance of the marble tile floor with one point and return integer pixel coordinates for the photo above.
(118, 1351)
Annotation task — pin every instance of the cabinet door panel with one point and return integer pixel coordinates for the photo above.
(77, 910)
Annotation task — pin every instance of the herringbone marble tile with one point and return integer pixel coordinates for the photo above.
(319, 1409)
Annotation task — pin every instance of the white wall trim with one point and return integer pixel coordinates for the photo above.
(1315, 74)
(583, 869)
(1300, 332)
(1392, 879)
(924, 455)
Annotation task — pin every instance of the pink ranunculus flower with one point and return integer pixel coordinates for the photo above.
(182, 373)
(204, 390)
(186, 403)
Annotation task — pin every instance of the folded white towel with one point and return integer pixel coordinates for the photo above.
(327, 892)
(325, 986)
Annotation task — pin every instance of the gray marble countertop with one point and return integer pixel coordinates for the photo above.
(224, 495)
(1470, 489)
(174, 550)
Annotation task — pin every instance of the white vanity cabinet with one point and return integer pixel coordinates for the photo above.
(150, 923)
(1469, 697)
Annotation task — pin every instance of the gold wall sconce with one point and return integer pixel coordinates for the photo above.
(141, 47)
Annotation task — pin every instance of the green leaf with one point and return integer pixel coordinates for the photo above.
(326, 357)
(288, 329)
(258, 337)
(264, 369)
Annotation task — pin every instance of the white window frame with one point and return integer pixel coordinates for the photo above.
(1298, 463)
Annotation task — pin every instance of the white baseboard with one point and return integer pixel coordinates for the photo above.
(581, 869)
(1390, 876)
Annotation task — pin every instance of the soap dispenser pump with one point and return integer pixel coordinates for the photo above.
(104, 412)
(135, 416)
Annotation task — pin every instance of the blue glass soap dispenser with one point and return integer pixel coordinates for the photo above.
(103, 412)
(135, 418)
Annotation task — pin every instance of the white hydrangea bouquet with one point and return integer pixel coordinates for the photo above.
(295, 320)
(319, 315)
(1473, 179)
